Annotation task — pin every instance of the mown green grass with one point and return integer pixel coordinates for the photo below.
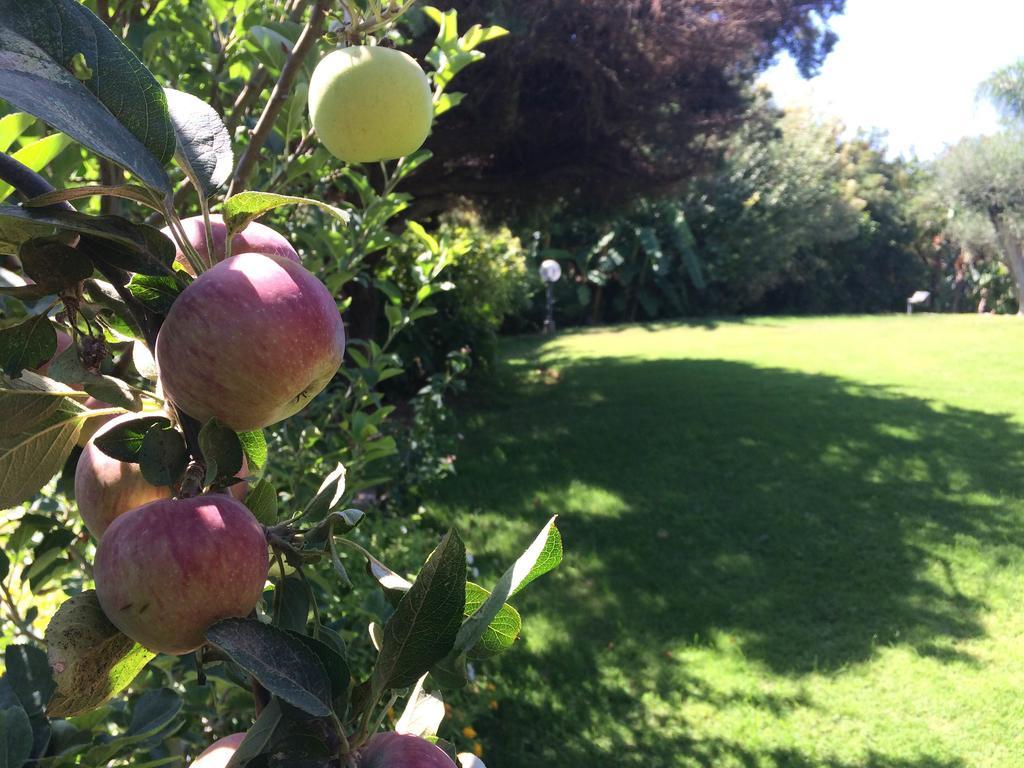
(789, 542)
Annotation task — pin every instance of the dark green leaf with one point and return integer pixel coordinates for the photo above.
(295, 603)
(221, 449)
(163, 455)
(108, 239)
(203, 143)
(334, 663)
(53, 264)
(5, 565)
(156, 294)
(258, 737)
(124, 442)
(153, 710)
(27, 345)
(153, 257)
(28, 673)
(255, 446)
(423, 627)
(15, 737)
(451, 671)
(281, 664)
(62, 33)
(262, 502)
(113, 391)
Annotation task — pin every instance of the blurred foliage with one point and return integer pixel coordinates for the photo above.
(791, 218)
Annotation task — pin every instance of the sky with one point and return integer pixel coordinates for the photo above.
(910, 68)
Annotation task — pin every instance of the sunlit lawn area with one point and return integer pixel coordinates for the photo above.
(790, 542)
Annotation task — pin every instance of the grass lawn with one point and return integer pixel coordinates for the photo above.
(790, 542)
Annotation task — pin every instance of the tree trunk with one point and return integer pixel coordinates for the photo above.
(1013, 254)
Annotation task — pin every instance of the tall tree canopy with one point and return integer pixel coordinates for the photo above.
(607, 99)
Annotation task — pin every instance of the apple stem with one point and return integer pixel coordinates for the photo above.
(192, 483)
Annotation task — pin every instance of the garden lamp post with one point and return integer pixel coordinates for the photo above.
(550, 272)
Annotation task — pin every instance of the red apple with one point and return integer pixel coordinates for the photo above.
(220, 752)
(255, 238)
(166, 571)
(106, 488)
(399, 750)
(250, 342)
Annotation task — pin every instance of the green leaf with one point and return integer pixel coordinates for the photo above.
(503, 630)
(33, 37)
(258, 737)
(12, 126)
(153, 712)
(30, 400)
(15, 737)
(262, 502)
(27, 345)
(124, 442)
(254, 443)
(29, 459)
(53, 264)
(28, 674)
(246, 207)
(337, 523)
(543, 555)
(222, 451)
(203, 143)
(329, 495)
(156, 294)
(282, 665)
(90, 658)
(37, 155)
(5, 565)
(67, 367)
(423, 713)
(163, 455)
(423, 628)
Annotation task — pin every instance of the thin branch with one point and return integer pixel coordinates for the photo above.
(16, 618)
(280, 94)
(249, 93)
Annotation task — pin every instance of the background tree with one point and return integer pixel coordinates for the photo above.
(1005, 89)
(984, 178)
(607, 99)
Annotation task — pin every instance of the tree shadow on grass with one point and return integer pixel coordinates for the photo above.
(801, 516)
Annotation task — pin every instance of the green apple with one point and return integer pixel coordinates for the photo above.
(370, 103)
